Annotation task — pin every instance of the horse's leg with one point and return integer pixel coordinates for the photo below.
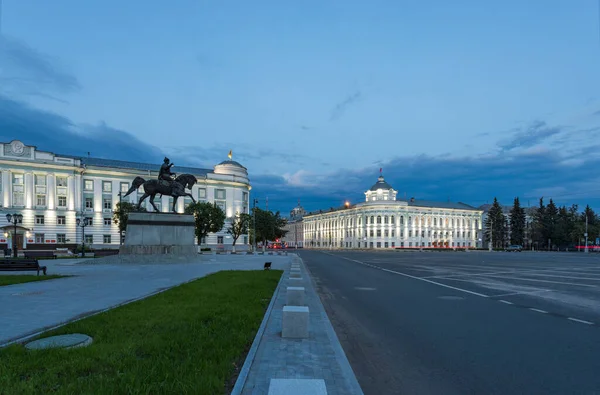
(175, 203)
(144, 196)
(152, 203)
(191, 197)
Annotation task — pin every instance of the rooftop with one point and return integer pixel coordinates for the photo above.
(380, 184)
(121, 164)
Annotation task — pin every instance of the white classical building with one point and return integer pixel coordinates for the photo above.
(52, 191)
(382, 221)
(294, 237)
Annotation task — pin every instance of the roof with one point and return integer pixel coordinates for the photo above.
(434, 204)
(121, 164)
(231, 162)
(380, 184)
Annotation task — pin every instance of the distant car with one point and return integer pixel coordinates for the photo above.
(514, 248)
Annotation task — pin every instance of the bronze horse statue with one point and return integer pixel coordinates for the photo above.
(175, 188)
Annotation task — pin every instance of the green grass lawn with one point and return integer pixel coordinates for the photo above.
(191, 339)
(25, 278)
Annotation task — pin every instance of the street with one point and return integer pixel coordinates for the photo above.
(464, 322)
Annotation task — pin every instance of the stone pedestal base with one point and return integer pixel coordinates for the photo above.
(159, 234)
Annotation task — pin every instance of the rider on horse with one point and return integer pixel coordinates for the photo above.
(165, 171)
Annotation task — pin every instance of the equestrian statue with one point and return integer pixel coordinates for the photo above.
(164, 185)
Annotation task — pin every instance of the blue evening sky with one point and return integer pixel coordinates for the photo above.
(460, 100)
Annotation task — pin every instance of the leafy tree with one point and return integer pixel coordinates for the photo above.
(517, 223)
(496, 225)
(539, 233)
(208, 217)
(121, 214)
(269, 225)
(239, 226)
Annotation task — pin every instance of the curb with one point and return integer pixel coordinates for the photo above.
(243, 376)
(340, 355)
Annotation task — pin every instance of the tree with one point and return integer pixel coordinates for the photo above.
(121, 214)
(539, 232)
(238, 226)
(208, 217)
(550, 221)
(269, 226)
(495, 225)
(517, 223)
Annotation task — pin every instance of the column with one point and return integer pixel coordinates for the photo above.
(7, 187)
(50, 191)
(72, 200)
(29, 192)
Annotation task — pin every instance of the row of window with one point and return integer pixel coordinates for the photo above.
(392, 244)
(62, 220)
(391, 220)
(387, 233)
(62, 238)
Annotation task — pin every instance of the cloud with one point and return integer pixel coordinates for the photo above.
(55, 133)
(535, 133)
(342, 106)
(26, 71)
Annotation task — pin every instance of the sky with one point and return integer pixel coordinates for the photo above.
(459, 101)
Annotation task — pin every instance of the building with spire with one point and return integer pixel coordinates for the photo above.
(294, 238)
(384, 221)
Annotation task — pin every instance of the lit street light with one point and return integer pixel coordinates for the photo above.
(14, 219)
(82, 224)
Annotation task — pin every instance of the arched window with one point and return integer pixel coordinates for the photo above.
(463, 222)
(379, 219)
(372, 219)
(392, 220)
(428, 221)
(476, 224)
(469, 223)
(435, 222)
(409, 220)
(402, 220)
(453, 222)
(385, 219)
(441, 221)
(435, 235)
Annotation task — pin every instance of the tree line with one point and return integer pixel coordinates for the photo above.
(209, 218)
(549, 226)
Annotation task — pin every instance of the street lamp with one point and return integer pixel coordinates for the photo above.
(254, 223)
(83, 223)
(14, 219)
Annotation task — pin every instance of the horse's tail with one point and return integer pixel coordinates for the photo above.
(135, 185)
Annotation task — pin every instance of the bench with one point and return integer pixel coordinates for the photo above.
(101, 253)
(21, 265)
(39, 254)
(267, 266)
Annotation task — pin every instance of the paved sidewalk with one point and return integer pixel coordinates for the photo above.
(318, 357)
(28, 308)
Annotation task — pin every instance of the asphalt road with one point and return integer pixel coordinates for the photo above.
(464, 323)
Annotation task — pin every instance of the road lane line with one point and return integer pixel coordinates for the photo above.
(522, 293)
(505, 302)
(538, 310)
(581, 321)
(542, 281)
(413, 277)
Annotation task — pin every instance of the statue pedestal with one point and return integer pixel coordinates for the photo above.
(159, 234)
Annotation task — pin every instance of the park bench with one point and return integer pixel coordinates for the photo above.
(101, 253)
(267, 266)
(39, 254)
(21, 265)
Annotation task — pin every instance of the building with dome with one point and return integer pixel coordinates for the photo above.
(52, 191)
(383, 221)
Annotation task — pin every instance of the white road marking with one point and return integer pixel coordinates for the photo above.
(581, 321)
(523, 293)
(542, 281)
(538, 310)
(443, 276)
(365, 289)
(505, 302)
(413, 277)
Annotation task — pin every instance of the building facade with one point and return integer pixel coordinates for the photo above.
(383, 221)
(294, 238)
(52, 191)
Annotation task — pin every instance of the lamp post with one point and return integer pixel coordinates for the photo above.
(82, 223)
(14, 219)
(254, 223)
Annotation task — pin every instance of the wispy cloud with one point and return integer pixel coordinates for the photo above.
(535, 133)
(342, 106)
(27, 71)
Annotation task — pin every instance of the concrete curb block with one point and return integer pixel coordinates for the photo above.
(240, 382)
(340, 355)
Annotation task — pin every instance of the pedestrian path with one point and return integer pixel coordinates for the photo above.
(319, 357)
(31, 307)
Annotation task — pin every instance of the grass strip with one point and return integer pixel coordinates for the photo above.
(190, 339)
(25, 278)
